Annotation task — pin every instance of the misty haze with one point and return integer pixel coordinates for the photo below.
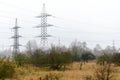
(59, 40)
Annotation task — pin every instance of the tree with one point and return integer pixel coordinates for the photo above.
(58, 59)
(31, 46)
(97, 50)
(87, 56)
(104, 68)
(77, 48)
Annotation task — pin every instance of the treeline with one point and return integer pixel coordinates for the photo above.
(111, 58)
(55, 58)
(58, 57)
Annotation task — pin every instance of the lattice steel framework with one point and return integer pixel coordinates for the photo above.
(16, 38)
(44, 35)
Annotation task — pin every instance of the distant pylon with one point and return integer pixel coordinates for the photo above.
(44, 35)
(114, 49)
(16, 38)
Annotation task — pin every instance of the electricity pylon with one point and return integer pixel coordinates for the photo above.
(16, 39)
(44, 35)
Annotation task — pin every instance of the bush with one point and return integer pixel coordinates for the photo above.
(52, 59)
(116, 58)
(106, 58)
(7, 68)
(39, 58)
(87, 56)
(51, 76)
(104, 68)
(58, 60)
(21, 59)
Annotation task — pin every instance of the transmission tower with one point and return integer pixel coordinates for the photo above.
(114, 49)
(16, 38)
(44, 35)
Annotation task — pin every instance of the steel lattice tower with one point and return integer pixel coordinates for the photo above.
(16, 38)
(44, 35)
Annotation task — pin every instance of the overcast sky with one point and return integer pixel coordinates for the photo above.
(93, 21)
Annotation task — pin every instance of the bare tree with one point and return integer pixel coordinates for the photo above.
(97, 50)
(31, 46)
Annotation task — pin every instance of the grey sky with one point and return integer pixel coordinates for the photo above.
(93, 21)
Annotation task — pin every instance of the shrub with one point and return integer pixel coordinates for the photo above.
(88, 77)
(87, 56)
(51, 76)
(58, 60)
(7, 68)
(54, 60)
(104, 68)
(21, 59)
(39, 58)
(116, 58)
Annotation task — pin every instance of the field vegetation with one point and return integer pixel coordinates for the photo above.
(60, 63)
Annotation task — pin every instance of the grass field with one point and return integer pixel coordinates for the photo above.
(72, 73)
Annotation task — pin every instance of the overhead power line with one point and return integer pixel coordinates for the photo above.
(15, 6)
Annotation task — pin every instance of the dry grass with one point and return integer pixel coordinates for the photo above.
(74, 73)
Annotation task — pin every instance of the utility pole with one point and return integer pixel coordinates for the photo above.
(16, 39)
(44, 35)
